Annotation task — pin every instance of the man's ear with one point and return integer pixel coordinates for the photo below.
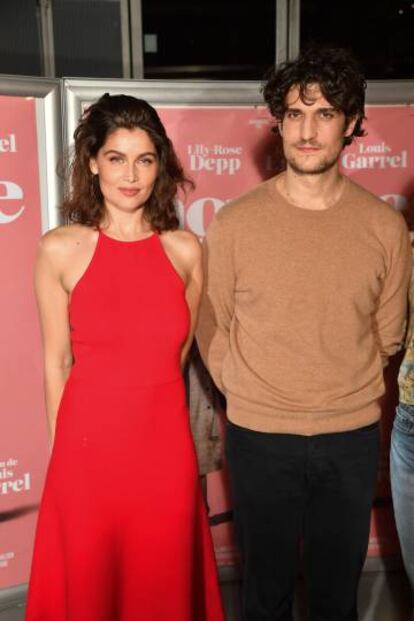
(93, 167)
(280, 127)
(350, 126)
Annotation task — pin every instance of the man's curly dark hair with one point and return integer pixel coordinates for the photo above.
(338, 76)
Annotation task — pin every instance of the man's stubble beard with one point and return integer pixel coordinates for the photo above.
(319, 167)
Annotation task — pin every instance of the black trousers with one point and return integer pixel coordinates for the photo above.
(290, 490)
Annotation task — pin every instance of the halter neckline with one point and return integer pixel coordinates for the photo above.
(126, 241)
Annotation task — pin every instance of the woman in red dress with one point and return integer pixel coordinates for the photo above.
(122, 532)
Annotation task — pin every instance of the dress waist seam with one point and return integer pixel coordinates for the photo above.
(108, 384)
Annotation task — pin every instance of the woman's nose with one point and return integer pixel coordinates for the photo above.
(131, 173)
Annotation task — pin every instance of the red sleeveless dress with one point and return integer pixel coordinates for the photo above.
(122, 532)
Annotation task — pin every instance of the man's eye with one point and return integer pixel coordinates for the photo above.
(293, 115)
(327, 115)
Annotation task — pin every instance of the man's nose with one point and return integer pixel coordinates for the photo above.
(308, 128)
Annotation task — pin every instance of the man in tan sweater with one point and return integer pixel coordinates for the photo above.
(304, 300)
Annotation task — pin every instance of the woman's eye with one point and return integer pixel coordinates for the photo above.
(115, 158)
(146, 161)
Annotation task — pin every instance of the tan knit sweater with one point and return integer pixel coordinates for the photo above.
(299, 307)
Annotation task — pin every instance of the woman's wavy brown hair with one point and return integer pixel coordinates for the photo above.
(83, 201)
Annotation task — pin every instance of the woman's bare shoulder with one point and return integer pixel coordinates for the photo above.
(64, 240)
(184, 243)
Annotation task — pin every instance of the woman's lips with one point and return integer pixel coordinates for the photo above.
(129, 191)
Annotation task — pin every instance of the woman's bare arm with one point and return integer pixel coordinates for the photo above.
(193, 290)
(52, 300)
(184, 251)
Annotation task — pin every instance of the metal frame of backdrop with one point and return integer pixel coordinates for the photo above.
(49, 136)
(78, 93)
(49, 143)
(55, 125)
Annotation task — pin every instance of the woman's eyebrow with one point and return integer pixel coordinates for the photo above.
(115, 151)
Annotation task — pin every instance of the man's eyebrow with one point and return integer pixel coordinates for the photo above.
(321, 109)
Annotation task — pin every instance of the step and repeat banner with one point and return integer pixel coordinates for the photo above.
(27, 192)
(224, 140)
(227, 151)
(383, 163)
(23, 451)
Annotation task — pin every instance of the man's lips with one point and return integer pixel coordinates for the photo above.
(308, 148)
(129, 191)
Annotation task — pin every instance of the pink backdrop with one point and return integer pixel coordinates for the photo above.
(23, 444)
(383, 163)
(228, 150)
